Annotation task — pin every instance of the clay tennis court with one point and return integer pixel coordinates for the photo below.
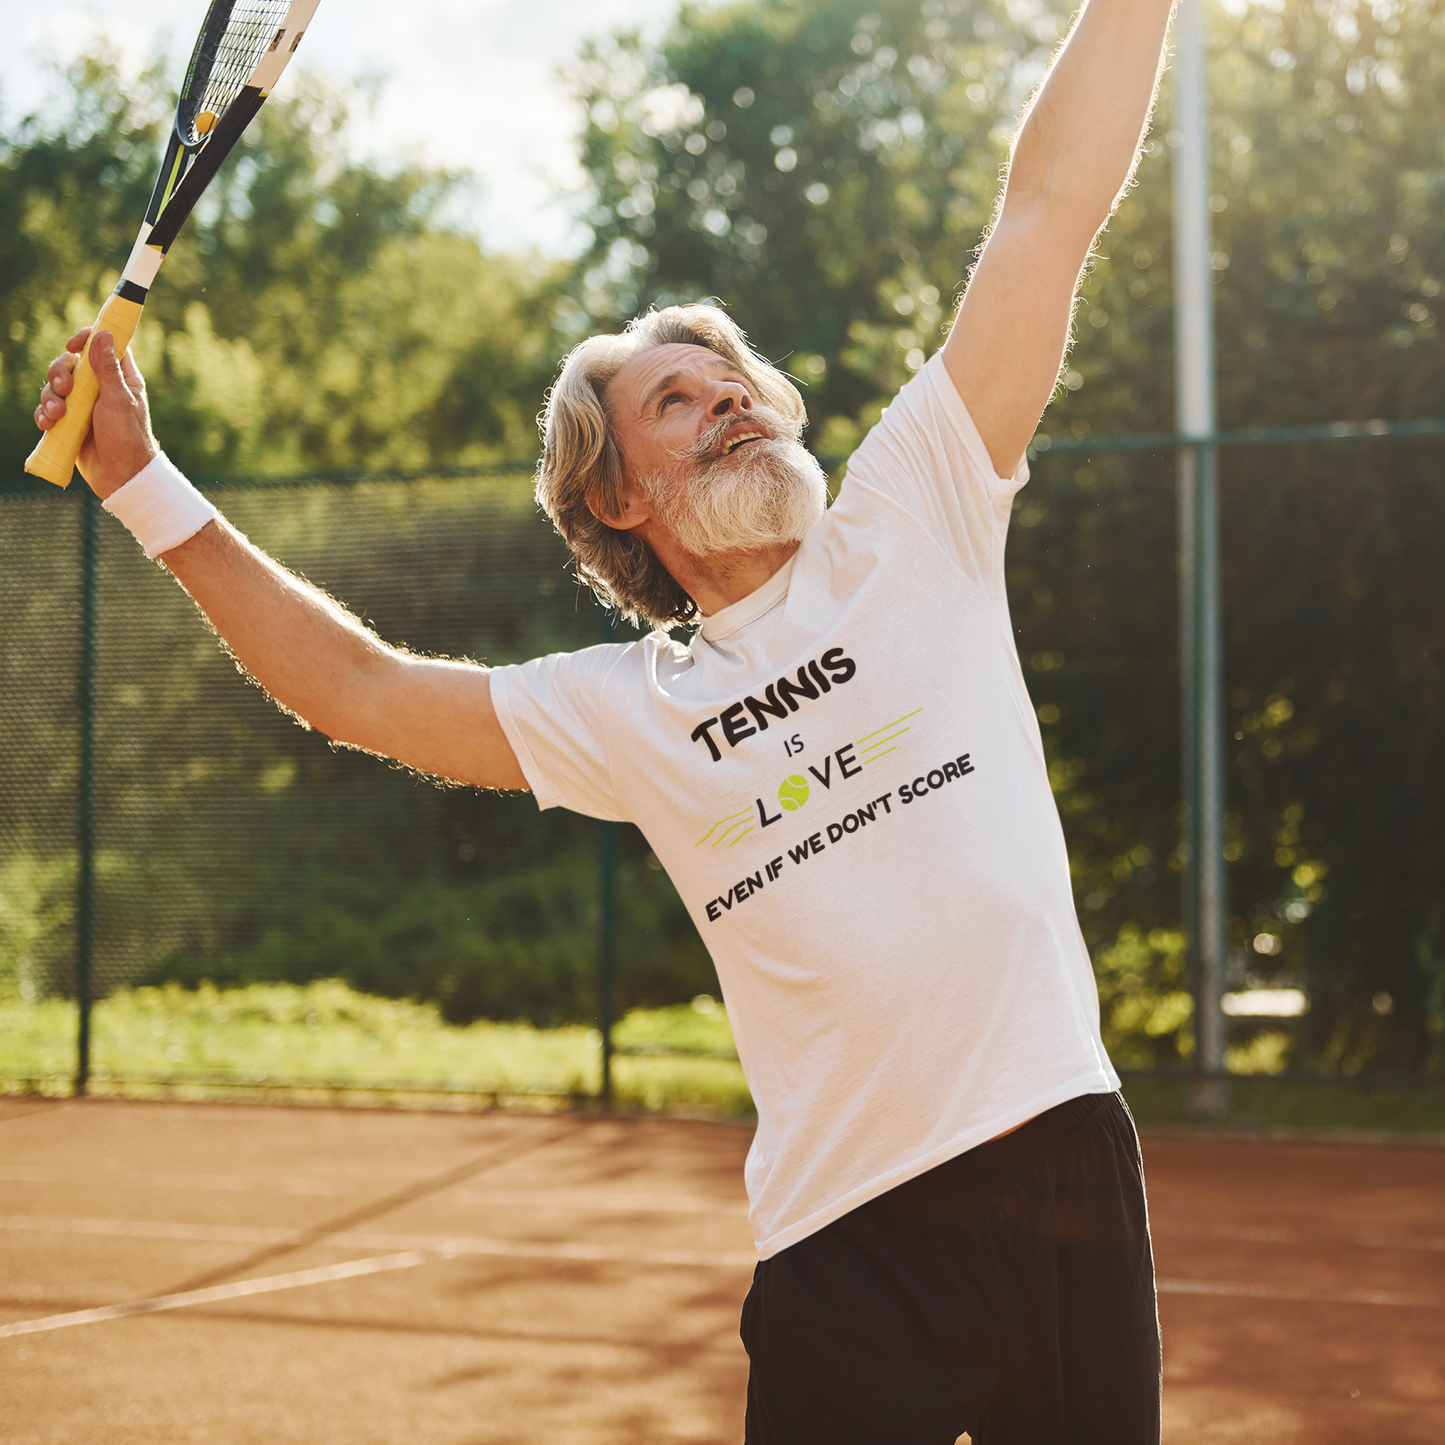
(351, 1276)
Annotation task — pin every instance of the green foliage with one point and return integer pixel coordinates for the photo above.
(1144, 1000)
(1327, 174)
(699, 1027)
(234, 846)
(71, 193)
(37, 905)
(1327, 167)
(37, 1041)
(1327, 171)
(325, 1033)
(823, 169)
(1325, 1105)
(519, 944)
(315, 312)
(658, 1078)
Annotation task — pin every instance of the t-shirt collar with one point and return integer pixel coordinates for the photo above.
(734, 617)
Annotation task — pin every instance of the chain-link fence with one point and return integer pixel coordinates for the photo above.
(163, 825)
(161, 822)
(1333, 959)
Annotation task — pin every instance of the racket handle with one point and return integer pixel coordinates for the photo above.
(54, 456)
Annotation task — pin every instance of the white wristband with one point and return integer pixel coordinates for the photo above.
(161, 508)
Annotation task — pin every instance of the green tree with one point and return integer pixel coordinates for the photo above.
(824, 169)
(1327, 169)
(315, 313)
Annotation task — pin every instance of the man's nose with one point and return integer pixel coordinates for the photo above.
(731, 397)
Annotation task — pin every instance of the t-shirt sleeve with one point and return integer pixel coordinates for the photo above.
(926, 455)
(552, 710)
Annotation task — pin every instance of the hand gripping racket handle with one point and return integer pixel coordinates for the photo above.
(54, 458)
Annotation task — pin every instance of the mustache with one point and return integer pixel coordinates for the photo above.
(774, 424)
(773, 494)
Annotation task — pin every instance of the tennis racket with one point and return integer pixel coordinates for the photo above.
(240, 53)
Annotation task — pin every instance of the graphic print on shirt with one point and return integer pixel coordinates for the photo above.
(795, 789)
(779, 700)
(839, 766)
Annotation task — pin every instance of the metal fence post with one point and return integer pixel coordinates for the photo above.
(1200, 633)
(607, 948)
(85, 839)
(1186, 488)
(608, 844)
(1210, 883)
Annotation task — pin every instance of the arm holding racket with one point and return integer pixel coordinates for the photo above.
(316, 660)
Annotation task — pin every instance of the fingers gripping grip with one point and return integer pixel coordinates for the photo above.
(54, 458)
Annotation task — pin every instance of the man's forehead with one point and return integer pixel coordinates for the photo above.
(640, 375)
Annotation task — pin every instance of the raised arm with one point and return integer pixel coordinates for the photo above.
(1073, 159)
(315, 659)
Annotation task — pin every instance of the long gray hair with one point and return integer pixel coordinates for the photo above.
(582, 462)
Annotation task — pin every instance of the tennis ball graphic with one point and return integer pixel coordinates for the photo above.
(793, 792)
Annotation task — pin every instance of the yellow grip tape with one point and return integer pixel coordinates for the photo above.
(54, 458)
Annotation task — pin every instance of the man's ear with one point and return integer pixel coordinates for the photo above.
(633, 508)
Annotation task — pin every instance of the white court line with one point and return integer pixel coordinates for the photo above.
(1229, 1290)
(238, 1290)
(451, 1244)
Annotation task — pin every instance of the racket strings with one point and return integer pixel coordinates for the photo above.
(250, 32)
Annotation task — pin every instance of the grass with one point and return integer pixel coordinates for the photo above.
(326, 1042)
(324, 1038)
(1262, 1102)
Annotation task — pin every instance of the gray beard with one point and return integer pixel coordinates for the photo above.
(765, 495)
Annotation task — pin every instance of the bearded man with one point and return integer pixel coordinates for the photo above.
(843, 775)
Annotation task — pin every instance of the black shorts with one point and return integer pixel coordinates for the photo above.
(1008, 1293)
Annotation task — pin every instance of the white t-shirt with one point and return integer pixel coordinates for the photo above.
(843, 776)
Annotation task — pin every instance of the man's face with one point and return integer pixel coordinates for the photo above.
(665, 400)
(721, 473)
